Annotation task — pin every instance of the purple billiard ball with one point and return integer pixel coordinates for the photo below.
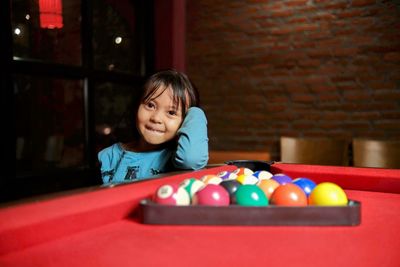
(282, 178)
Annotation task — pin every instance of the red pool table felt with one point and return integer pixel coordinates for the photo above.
(100, 227)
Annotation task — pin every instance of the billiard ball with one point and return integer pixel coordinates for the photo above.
(231, 186)
(263, 175)
(288, 195)
(171, 194)
(242, 170)
(250, 195)
(211, 194)
(306, 184)
(225, 175)
(247, 179)
(328, 194)
(211, 179)
(268, 186)
(282, 178)
(192, 185)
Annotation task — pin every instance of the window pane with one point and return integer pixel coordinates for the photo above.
(114, 119)
(47, 30)
(116, 40)
(49, 123)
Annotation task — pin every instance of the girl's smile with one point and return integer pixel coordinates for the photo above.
(158, 119)
(154, 130)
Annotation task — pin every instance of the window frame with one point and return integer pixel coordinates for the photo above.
(14, 186)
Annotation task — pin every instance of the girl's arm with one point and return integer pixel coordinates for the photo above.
(192, 149)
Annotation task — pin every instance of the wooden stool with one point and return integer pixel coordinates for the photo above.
(314, 150)
(376, 153)
(221, 156)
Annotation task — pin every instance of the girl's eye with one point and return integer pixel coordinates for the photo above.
(150, 105)
(172, 113)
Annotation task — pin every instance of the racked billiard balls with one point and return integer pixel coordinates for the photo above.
(328, 194)
(289, 195)
(212, 195)
(171, 194)
(250, 195)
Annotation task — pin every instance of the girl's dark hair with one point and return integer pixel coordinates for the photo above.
(184, 93)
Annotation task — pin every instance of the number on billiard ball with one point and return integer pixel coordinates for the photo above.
(171, 194)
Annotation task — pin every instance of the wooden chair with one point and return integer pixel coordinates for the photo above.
(220, 156)
(314, 150)
(376, 153)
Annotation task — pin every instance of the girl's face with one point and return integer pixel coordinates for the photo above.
(159, 119)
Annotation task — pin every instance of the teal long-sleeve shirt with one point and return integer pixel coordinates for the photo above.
(119, 165)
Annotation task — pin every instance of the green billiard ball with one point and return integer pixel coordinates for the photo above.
(250, 195)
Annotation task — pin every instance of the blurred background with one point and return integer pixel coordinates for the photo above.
(264, 69)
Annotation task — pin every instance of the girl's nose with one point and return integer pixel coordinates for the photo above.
(156, 117)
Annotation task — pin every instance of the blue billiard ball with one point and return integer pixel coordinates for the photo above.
(306, 184)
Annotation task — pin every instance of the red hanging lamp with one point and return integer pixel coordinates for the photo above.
(51, 14)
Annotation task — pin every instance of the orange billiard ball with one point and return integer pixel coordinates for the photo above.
(289, 195)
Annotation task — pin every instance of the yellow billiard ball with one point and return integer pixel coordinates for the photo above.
(328, 194)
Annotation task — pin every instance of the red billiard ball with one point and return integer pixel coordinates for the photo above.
(289, 195)
(211, 194)
(171, 194)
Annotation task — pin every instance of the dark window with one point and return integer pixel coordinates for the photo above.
(71, 68)
(34, 40)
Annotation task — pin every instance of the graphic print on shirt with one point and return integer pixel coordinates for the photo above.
(131, 172)
(154, 171)
(108, 173)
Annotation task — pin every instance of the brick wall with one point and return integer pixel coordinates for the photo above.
(296, 67)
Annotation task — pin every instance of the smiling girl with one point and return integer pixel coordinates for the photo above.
(171, 132)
